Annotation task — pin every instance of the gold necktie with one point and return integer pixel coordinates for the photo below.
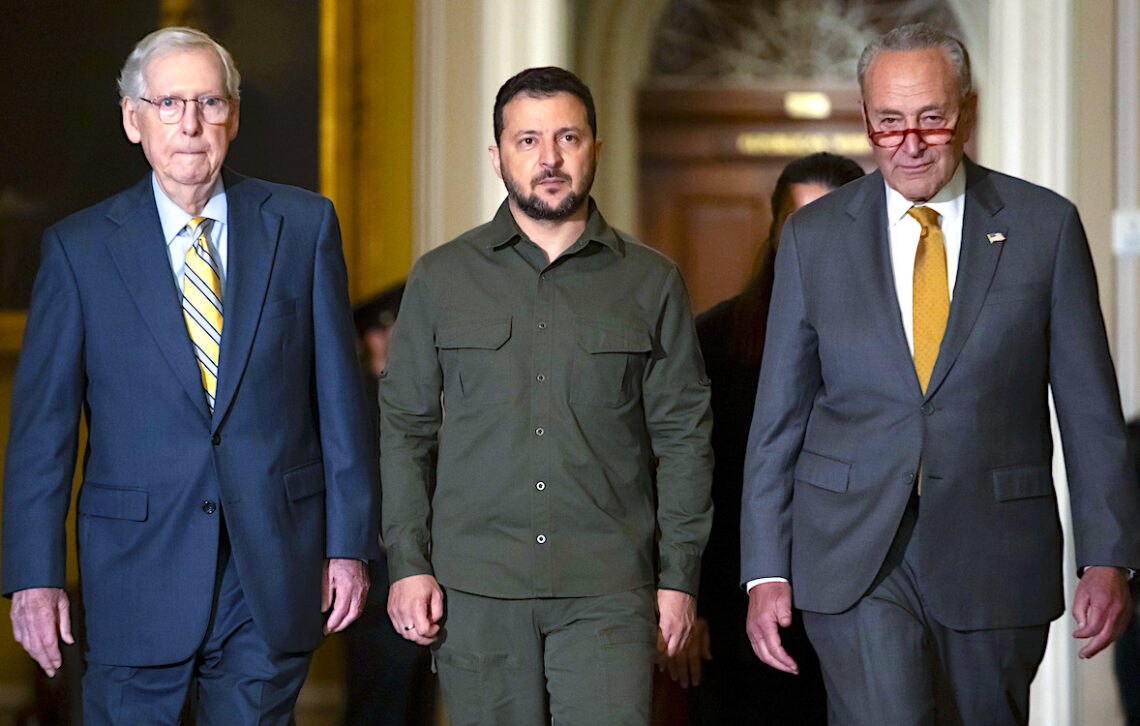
(202, 305)
(931, 293)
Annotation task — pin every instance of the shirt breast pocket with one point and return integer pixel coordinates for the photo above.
(608, 363)
(475, 359)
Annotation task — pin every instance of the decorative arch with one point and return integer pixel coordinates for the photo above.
(613, 52)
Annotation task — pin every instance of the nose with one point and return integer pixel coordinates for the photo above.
(913, 144)
(191, 122)
(550, 155)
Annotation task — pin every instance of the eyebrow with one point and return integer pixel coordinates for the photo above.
(564, 129)
(925, 109)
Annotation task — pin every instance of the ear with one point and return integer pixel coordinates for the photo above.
(969, 117)
(233, 123)
(131, 121)
(496, 162)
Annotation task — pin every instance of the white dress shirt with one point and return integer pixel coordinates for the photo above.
(178, 240)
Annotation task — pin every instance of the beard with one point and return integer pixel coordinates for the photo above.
(536, 208)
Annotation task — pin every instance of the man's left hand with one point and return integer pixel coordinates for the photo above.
(344, 588)
(1101, 608)
(677, 611)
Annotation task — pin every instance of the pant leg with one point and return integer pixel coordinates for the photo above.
(489, 658)
(989, 672)
(877, 657)
(1127, 657)
(241, 679)
(599, 657)
(121, 695)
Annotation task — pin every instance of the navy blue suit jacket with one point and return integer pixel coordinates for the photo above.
(286, 457)
(841, 422)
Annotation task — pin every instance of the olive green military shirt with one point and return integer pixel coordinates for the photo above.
(574, 456)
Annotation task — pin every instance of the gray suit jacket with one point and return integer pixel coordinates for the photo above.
(841, 423)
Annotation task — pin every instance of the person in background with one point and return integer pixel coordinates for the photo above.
(732, 342)
(388, 679)
(200, 324)
(1127, 651)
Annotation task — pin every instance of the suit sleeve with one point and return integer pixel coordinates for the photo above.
(410, 417)
(348, 448)
(678, 416)
(1103, 491)
(44, 429)
(789, 380)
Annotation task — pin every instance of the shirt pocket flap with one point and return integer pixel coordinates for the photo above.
(822, 471)
(100, 501)
(1022, 482)
(482, 334)
(614, 339)
(305, 480)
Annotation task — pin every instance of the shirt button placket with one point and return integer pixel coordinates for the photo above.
(542, 411)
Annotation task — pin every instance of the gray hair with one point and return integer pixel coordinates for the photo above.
(919, 36)
(168, 40)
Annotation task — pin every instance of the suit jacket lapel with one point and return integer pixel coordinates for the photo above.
(138, 252)
(252, 243)
(872, 262)
(976, 265)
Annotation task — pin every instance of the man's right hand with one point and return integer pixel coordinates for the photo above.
(40, 617)
(769, 609)
(415, 607)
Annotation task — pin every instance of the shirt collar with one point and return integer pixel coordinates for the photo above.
(947, 202)
(174, 218)
(504, 230)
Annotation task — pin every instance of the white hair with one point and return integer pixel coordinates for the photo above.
(168, 40)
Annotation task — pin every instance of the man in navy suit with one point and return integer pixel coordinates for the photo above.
(898, 477)
(200, 321)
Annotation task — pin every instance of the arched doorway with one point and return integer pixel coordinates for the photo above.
(735, 90)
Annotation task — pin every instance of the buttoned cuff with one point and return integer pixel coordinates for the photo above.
(405, 560)
(679, 571)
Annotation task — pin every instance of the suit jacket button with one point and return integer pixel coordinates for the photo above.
(216, 439)
(927, 409)
(209, 507)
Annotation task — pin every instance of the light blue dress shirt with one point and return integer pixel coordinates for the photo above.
(178, 240)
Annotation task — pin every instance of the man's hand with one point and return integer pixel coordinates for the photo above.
(415, 607)
(1102, 607)
(344, 588)
(40, 617)
(685, 666)
(769, 609)
(677, 611)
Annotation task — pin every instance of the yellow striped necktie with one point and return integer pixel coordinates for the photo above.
(931, 293)
(202, 305)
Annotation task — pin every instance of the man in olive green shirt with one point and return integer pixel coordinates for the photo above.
(560, 534)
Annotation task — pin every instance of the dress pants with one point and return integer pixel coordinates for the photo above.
(235, 677)
(581, 661)
(887, 661)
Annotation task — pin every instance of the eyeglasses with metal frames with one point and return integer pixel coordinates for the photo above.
(215, 109)
(895, 139)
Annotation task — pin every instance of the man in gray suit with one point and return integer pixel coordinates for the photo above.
(898, 474)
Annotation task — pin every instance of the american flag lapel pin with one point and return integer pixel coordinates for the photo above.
(995, 237)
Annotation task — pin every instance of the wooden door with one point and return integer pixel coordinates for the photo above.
(709, 159)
